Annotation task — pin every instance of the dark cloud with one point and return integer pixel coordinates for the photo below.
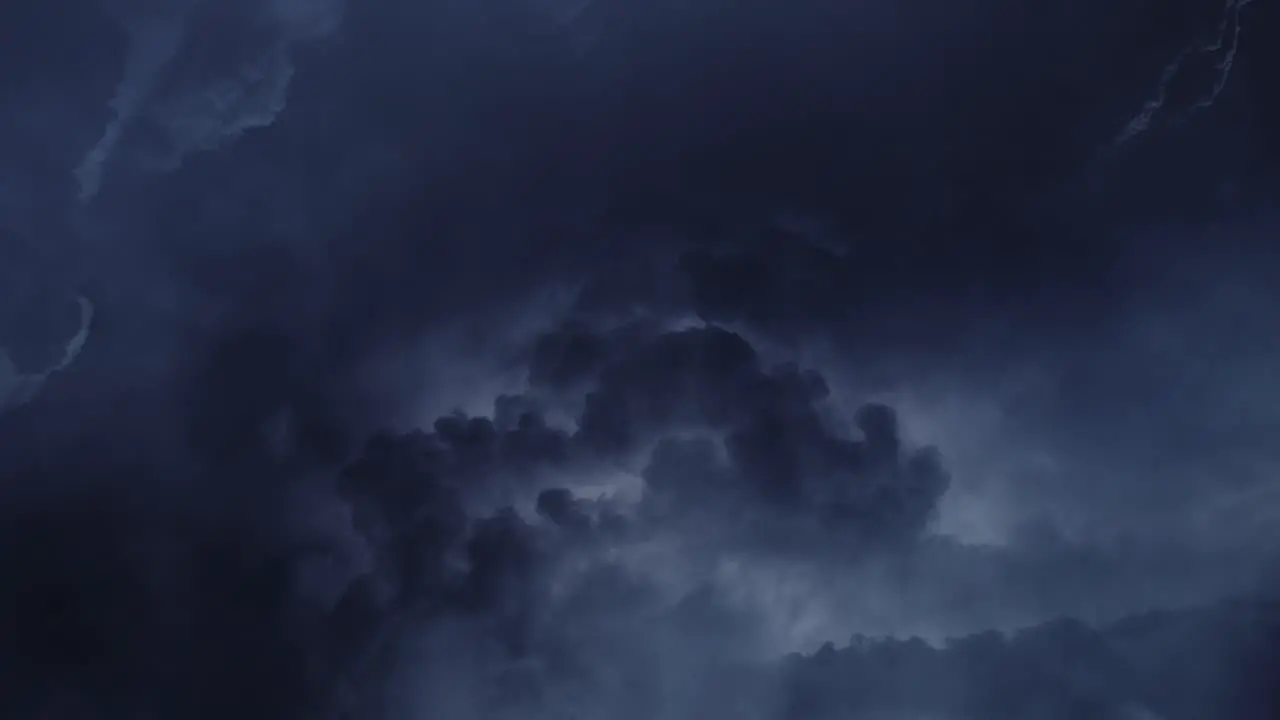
(713, 432)
(705, 284)
(1059, 669)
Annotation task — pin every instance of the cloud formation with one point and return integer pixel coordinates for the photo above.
(789, 280)
(197, 75)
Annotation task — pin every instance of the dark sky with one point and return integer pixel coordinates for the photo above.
(563, 359)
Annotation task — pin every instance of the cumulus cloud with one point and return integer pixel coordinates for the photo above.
(719, 439)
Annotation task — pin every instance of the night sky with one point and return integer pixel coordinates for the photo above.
(639, 360)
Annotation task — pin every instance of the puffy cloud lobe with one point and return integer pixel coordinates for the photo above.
(726, 440)
(781, 453)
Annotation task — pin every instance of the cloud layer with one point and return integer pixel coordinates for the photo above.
(643, 360)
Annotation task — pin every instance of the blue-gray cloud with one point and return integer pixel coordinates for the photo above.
(199, 74)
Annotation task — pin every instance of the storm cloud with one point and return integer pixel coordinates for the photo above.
(643, 360)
